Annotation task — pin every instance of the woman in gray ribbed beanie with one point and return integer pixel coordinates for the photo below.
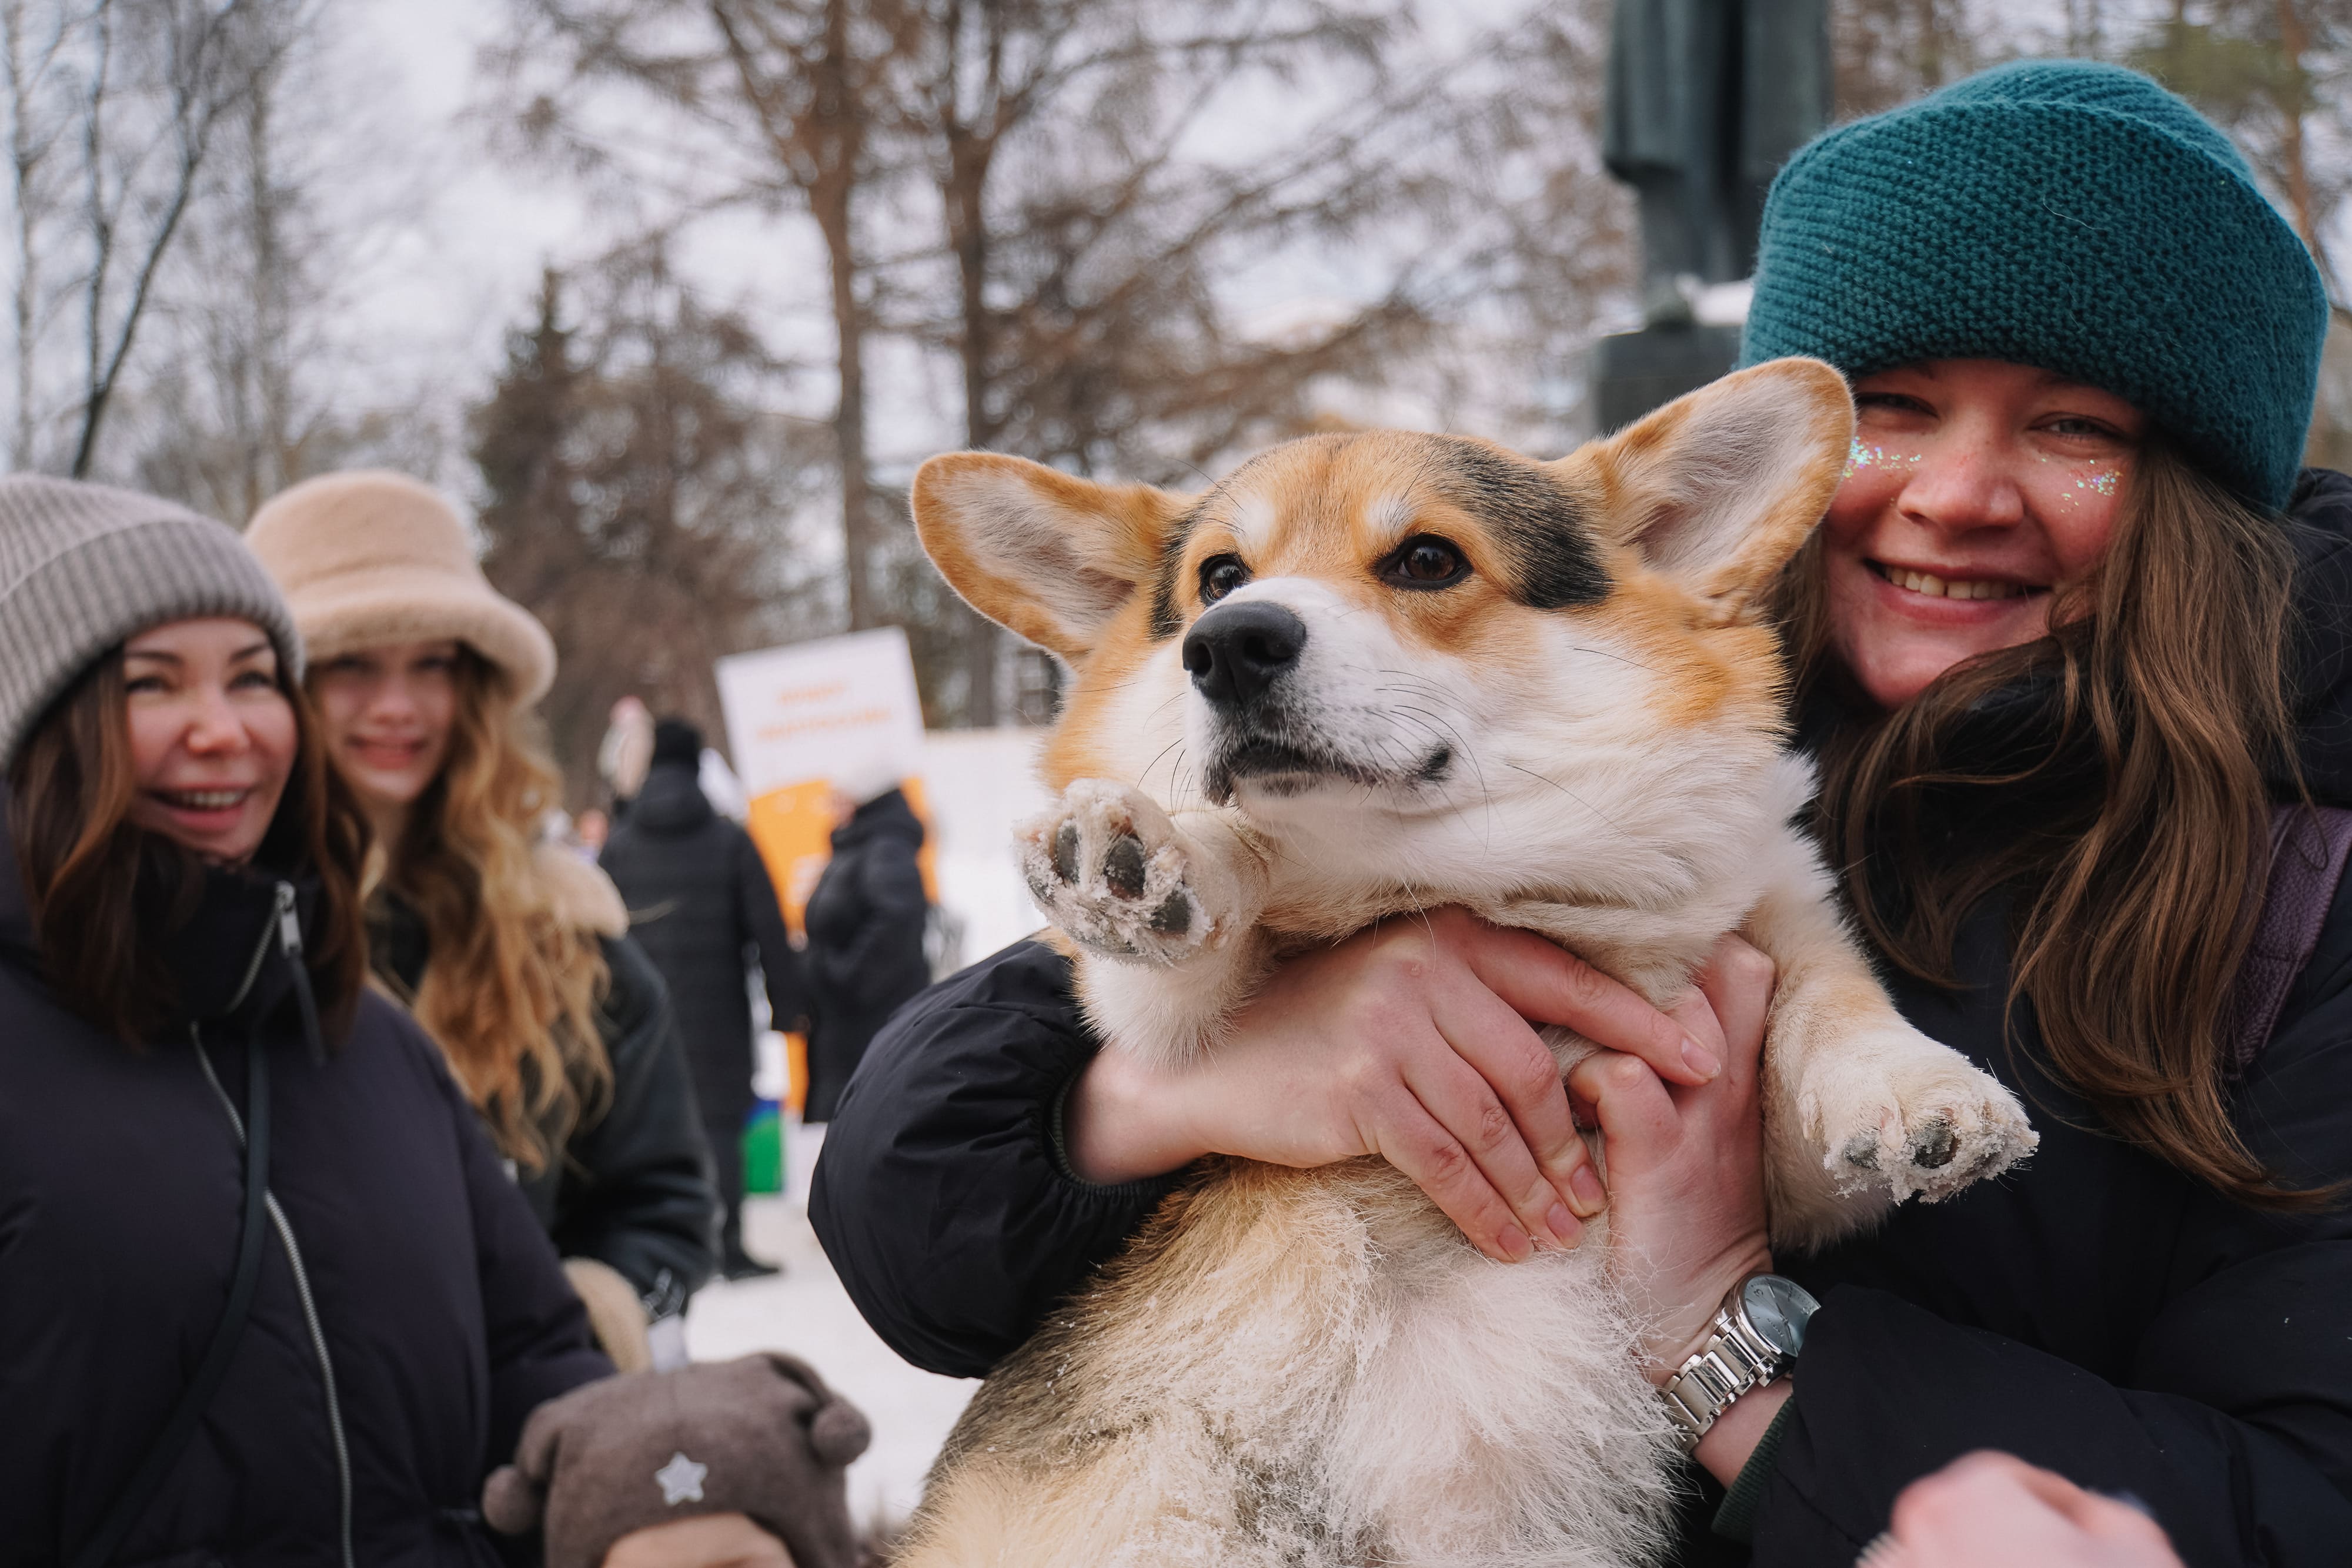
(84, 566)
(265, 1295)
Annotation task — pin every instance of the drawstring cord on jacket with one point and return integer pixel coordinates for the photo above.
(164, 1452)
(287, 931)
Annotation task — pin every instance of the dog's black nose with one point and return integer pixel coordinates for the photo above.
(1236, 651)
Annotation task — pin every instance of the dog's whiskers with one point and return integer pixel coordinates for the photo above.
(1569, 793)
(1606, 653)
(1176, 746)
(1442, 729)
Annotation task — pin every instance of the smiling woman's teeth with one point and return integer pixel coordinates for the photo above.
(203, 800)
(1929, 583)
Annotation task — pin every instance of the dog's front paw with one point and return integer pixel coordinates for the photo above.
(1896, 1112)
(1109, 868)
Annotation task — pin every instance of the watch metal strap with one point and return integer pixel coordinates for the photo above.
(1733, 1361)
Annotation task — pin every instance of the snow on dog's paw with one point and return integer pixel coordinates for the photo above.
(1110, 869)
(1895, 1111)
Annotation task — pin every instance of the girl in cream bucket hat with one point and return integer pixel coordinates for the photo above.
(513, 954)
(371, 558)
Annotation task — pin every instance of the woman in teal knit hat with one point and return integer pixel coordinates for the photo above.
(2073, 624)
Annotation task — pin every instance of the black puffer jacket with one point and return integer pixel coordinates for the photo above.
(701, 905)
(444, 1317)
(632, 1189)
(864, 941)
(2095, 1312)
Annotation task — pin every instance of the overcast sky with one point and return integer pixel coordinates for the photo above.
(461, 269)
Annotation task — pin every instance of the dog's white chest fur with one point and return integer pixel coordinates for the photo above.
(1344, 1382)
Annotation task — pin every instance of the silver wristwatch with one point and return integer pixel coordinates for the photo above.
(1758, 1331)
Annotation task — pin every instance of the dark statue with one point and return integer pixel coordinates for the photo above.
(1706, 100)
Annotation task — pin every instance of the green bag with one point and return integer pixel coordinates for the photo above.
(763, 1149)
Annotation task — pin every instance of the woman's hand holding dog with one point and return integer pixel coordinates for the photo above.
(1411, 1042)
(1686, 1177)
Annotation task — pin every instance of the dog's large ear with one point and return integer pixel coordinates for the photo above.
(1717, 489)
(1039, 552)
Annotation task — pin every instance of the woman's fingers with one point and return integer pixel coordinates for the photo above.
(1736, 984)
(1548, 985)
(1524, 1078)
(1466, 1104)
(1990, 1507)
(1638, 1119)
(1407, 1136)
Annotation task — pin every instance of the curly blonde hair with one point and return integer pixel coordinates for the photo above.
(513, 983)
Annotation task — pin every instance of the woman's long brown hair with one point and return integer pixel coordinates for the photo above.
(2137, 880)
(105, 895)
(513, 984)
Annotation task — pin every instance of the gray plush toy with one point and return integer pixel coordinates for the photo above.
(761, 1437)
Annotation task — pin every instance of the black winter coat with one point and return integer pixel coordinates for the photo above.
(446, 1319)
(864, 941)
(633, 1187)
(701, 906)
(2096, 1311)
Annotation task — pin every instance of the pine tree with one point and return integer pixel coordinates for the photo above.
(519, 434)
(635, 502)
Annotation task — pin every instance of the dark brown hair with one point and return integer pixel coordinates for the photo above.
(511, 990)
(104, 894)
(2138, 872)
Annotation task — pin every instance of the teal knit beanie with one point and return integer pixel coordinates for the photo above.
(2074, 217)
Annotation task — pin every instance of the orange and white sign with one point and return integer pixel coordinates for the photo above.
(805, 721)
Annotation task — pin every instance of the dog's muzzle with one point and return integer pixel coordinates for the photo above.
(1239, 655)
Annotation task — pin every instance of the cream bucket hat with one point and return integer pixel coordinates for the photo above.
(370, 558)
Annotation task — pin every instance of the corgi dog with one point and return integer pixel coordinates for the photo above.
(1363, 676)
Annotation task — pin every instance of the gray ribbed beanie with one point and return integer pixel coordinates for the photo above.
(86, 567)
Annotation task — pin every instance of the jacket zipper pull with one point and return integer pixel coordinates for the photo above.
(290, 929)
(289, 937)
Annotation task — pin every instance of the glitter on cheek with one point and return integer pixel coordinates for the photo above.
(1858, 456)
(2101, 484)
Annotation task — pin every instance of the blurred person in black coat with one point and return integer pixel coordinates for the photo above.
(702, 906)
(866, 924)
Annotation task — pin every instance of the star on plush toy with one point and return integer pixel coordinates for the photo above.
(681, 1479)
(774, 1446)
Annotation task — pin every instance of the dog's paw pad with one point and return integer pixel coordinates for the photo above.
(1174, 916)
(1933, 1145)
(1109, 867)
(1123, 866)
(1913, 1118)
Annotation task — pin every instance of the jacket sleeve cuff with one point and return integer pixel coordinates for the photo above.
(1143, 1189)
(1736, 1519)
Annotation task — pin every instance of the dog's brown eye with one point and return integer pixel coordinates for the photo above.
(1219, 575)
(1424, 560)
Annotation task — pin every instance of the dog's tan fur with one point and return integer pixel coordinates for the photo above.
(1314, 1367)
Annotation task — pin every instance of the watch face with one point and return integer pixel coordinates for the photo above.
(1778, 1309)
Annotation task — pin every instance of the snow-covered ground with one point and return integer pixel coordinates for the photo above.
(804, 1310)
